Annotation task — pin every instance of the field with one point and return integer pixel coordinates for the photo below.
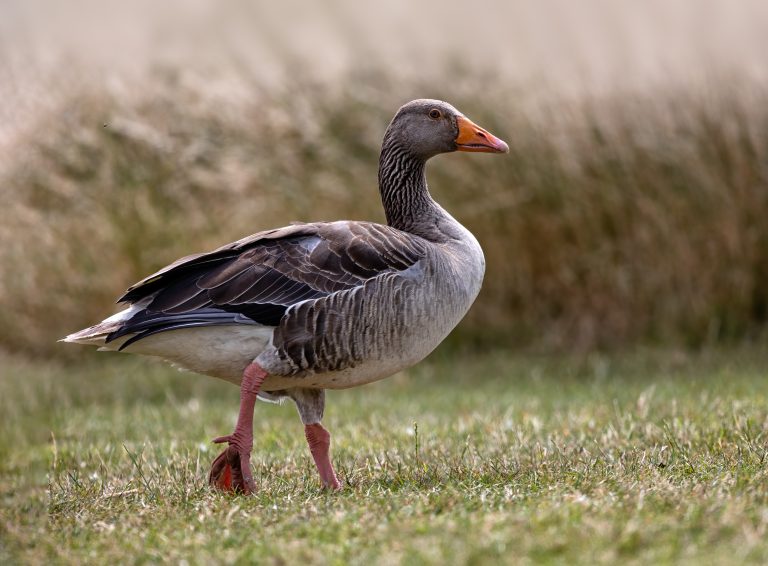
(645, 457)
(604, 401)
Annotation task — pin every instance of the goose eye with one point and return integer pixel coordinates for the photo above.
(435, 114)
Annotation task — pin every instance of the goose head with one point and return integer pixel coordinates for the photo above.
(425, 128)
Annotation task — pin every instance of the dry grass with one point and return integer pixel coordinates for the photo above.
(624, 219)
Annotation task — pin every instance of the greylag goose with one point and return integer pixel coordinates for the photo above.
(293, 311)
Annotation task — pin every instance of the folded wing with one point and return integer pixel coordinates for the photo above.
(255, 280)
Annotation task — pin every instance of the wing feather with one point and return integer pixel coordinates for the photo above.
(256, 279)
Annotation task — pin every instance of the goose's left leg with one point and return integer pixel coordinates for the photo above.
(231, 470)
(311, 403)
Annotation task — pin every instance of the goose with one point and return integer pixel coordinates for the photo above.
(293, 311)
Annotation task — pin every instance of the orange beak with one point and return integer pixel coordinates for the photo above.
(474, 138)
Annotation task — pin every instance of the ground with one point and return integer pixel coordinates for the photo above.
(645, 457)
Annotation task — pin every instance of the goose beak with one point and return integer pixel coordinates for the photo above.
(474, 138)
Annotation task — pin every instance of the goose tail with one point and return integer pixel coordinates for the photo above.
(92, 336)
(96, 335)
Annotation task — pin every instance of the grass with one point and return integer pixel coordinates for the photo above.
(640, 458)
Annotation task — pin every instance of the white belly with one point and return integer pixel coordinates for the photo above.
(218, 351)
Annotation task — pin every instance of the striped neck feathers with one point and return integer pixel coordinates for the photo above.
(403, 187)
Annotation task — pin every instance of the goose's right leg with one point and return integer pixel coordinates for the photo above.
(311, 403)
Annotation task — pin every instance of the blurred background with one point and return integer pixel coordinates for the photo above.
(630, 211)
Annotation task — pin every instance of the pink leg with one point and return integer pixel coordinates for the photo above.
(231, 470)
(319, 441)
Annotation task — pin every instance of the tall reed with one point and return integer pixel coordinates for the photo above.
(632, 218)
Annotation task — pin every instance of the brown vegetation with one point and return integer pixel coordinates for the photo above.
(631, 218)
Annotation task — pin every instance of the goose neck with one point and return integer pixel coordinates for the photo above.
(403, 186)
